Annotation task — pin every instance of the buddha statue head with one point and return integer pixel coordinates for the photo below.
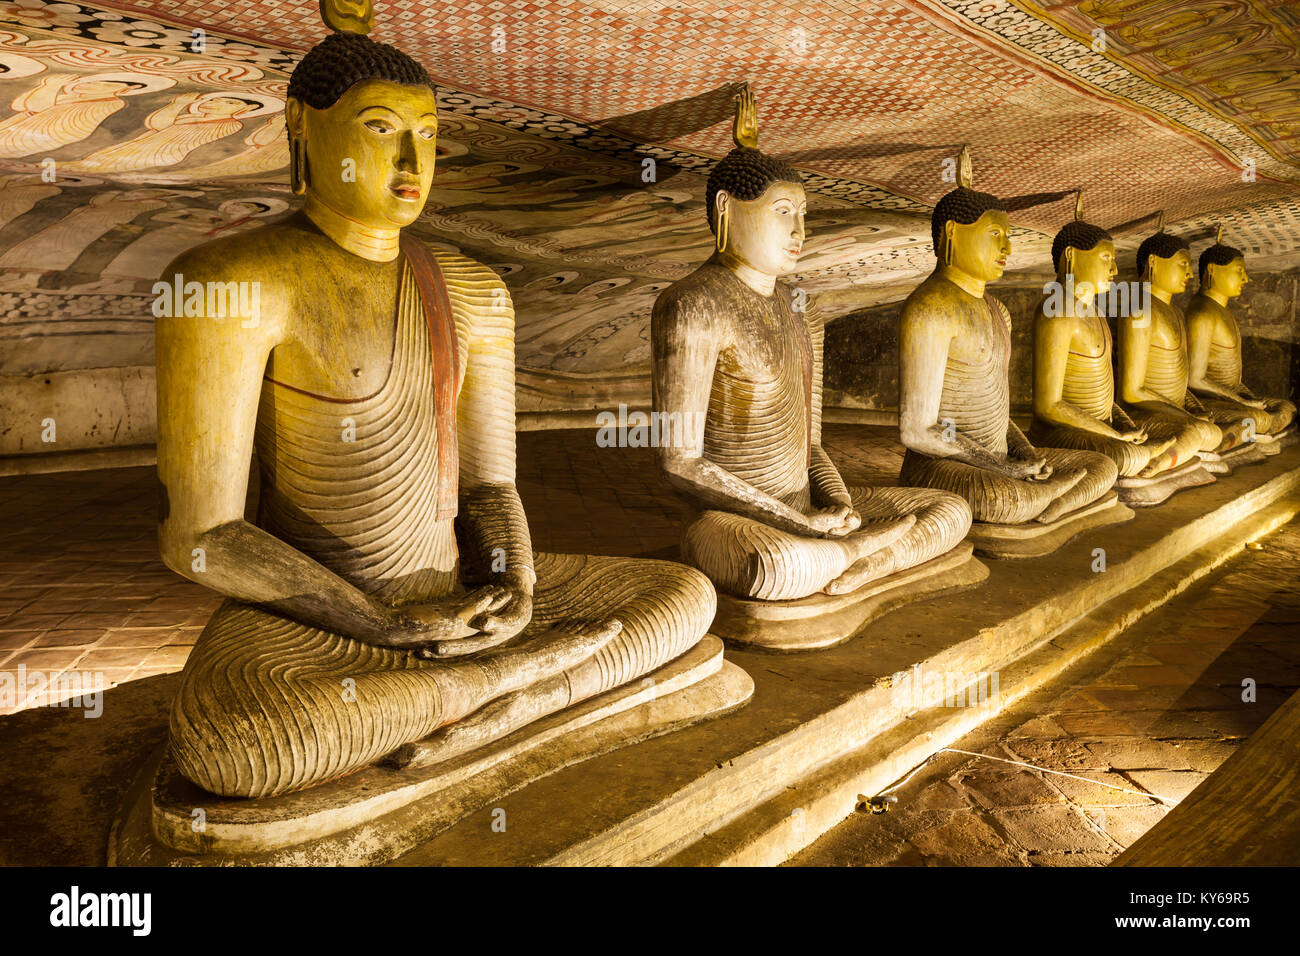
(756, 203)
(1085, 252)
(363, 123)
(1165, 261)
(1222, 269)
(970, 229)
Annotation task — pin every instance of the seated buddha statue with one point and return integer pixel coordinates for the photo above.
(375, 387)
(1074, 384)
(1214, 347)
(1153, 367)
(954, 394)
(732, 348)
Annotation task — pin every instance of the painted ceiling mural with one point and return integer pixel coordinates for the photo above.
(155, 142)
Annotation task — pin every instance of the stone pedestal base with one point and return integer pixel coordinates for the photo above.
(1034, 539)
(823, 620)
(375, 814)
(1145, 492)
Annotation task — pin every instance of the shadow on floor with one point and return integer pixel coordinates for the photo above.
(65, 774)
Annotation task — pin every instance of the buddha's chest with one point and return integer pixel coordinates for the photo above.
(981, 342)
(1166, 331)
(1226, 337)
(1091, 338)
(342, 342)
(767, 346)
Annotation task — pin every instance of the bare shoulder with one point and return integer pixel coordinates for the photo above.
(1203, 314)
(697, 302)
(1053, 322)
(248, 279)
(1138, 319)
(934, 304)
(269, 253)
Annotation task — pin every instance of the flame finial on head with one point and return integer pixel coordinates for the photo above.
(1078, 205)
(348, 16)
(744, 130)
(965, 173)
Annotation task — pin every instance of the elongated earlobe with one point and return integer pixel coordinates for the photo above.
(297, 166)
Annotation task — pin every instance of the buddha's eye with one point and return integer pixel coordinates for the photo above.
(379, 126)
(428, 132)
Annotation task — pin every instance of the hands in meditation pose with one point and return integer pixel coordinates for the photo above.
(955, 410)
(376, 387)
(1074, 384)
(740, 351)
(1214, 346)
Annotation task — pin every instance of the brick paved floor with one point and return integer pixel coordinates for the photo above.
(83, 591)
(1156, 711)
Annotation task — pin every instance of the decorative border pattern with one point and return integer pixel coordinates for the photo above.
(1046, 42)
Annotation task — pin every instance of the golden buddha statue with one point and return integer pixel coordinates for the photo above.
(954, 395)
(733, 350)
(1074, 383)
(376, 388)
(1153, 366)
(1214, 347)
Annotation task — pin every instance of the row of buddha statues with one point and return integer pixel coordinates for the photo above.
(397, 563)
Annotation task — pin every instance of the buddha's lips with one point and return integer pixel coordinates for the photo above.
(404, 191)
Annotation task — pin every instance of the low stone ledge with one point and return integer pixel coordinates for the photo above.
(672, 799)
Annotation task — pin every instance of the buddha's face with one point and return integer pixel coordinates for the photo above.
(766, 233)
(370, 156)
(1092, 270)
(981, 248)
(1227, 279)
(1171, 275)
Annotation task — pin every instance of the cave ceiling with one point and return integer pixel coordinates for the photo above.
(551, 112)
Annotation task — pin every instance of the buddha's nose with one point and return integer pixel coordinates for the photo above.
(408, 157)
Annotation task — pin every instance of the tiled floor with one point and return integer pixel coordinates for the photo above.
(83, 591)
(1154, 712)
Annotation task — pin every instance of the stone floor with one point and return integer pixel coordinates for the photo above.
(83, 591)
(1155, 712)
